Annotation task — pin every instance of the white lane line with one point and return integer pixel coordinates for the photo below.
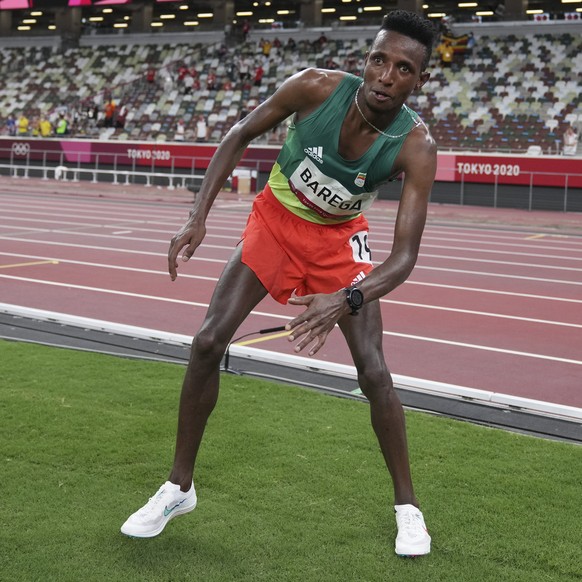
(65, 217)
(498, 262)
(112, 249)
(173, 210)
(571, 244)
(511, 253)
(281, 317)
(214, 279)
(110, 266)
(223, 261)
(377, 241)
(129, 294)
(482, 313)
(485, 348)
(377, 235)
(201, 277)
(493, 291)
(220, 247)
(501, 275)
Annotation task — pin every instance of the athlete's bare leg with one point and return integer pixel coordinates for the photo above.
(237, 292)
(363, 332)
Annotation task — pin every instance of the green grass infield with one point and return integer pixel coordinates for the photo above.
(291, 484)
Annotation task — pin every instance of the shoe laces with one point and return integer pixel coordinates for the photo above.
(410, 520)
(153, 502)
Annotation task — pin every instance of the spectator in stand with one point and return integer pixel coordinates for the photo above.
(470, 44)
(35, 126)
(45, 127)
(266, 46)
(259, 72)
(201, 129)
(182, 72)
(320, 42)
(188, 84)
(291, 44)
(211, 80)
(352, 64)
(11, 125)
(570, 141)
(92, 116)
(445, 50)
(231, 71)
(244, 69)
(23, 124)
(151, 75)
(168, 81)
(180, 130)
(331, 64)
(109, 113)
(75, 120)
(121, 117)
(62, 125)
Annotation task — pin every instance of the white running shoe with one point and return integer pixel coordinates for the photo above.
(167, 503)
(412, 539)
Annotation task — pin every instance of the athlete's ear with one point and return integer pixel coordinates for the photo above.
(424, 77)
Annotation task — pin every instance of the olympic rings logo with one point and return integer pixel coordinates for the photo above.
(20, 148)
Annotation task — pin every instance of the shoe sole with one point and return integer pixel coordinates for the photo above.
(416, 553)
(159, 530)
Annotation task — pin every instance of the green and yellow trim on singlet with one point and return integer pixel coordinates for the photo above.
(314, 182)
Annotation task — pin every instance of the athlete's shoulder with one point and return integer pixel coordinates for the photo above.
(418, 154)
(309, 88)
(421, 139)
(320, 82)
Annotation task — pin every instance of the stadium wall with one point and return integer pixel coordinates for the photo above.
(499, 180)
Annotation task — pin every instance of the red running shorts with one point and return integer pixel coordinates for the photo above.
(292, 255)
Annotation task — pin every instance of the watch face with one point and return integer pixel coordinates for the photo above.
(356, 298)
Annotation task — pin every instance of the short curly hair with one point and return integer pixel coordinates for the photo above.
(414, 26)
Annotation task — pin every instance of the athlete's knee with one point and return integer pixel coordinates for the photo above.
(375, 380)
(208, 344)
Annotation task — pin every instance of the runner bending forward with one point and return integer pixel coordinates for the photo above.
(306, 244)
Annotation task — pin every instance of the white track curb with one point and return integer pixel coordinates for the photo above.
(496, 399)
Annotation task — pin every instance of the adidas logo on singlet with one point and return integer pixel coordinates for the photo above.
(316, 153)
(359, 277)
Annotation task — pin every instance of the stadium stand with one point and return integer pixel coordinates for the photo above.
(491, 98)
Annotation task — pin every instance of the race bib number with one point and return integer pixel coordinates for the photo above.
(360, 249)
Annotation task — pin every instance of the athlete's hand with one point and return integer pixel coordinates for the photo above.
(189, 236)
(315, 323)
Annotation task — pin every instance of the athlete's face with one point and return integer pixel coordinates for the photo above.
(392, 71)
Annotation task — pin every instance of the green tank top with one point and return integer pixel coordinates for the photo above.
(314, 182)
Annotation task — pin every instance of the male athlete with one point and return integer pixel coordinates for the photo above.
(306, 244)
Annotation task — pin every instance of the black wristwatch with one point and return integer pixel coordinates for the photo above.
(355, 299)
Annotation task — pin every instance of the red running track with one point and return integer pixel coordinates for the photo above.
(494, 302)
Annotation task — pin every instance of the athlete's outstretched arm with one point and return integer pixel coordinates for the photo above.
(297, 95)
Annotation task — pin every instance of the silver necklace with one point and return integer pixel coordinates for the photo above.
(416, 121)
